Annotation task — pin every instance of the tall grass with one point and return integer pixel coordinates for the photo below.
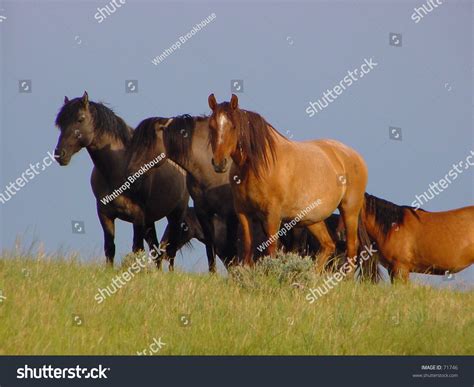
(262, 311)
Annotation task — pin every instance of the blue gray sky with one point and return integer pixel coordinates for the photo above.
(286, 53)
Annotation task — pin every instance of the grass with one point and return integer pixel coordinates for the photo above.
(250, 312)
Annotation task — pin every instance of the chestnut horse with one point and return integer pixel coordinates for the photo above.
(419, 241)
(162, 192)
(279, 179)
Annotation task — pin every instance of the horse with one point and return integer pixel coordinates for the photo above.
(185, 141)
(285, 180)
(418, 241)
(162, 193)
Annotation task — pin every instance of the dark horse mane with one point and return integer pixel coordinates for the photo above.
(256, 140)
(144, 136)
(178, 137)
(386, 213)
(105, 120)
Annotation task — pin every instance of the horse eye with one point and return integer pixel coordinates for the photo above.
(81, 119)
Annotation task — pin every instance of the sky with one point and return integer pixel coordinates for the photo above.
(410, 116)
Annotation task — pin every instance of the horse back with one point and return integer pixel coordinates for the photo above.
(444, 239)
(302, 174)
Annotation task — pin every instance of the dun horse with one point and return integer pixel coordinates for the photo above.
(279, 178)
(162, 192)
(420, 241)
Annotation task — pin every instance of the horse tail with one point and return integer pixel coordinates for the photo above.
(369, 268)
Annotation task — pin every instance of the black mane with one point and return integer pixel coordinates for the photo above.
(105, 120)
(178, 138)
(144, 135)
(387, 214)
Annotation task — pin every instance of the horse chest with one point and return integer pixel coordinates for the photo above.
(249, 195)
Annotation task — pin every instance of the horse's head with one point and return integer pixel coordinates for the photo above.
(76, 124)
(223, 131)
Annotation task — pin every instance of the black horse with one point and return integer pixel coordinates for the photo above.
(160, 192)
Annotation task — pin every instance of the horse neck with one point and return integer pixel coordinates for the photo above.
(109, 156)
(199, 164)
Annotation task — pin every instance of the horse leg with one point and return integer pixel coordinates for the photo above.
(246, 223)
(138, 235)
(152, 242)
(391, 273)
(230, 252)
(398, 272)
(293, 242)
(208, 230)
(300, 241)
(272, 225)
(108, 227)
(176, 224)
(211, 256)
(351, 218)
(328, 247)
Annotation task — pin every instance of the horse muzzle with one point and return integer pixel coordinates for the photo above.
(221, 167)
(61, 157)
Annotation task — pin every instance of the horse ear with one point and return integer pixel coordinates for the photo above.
(66, 100)
(85, 99)
(234, 102)
(212, 102)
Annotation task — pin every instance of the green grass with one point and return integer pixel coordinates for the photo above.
(251, 312)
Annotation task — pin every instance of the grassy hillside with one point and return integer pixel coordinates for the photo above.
(50, 308)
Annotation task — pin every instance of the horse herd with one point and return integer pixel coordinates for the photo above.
(246, 179)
